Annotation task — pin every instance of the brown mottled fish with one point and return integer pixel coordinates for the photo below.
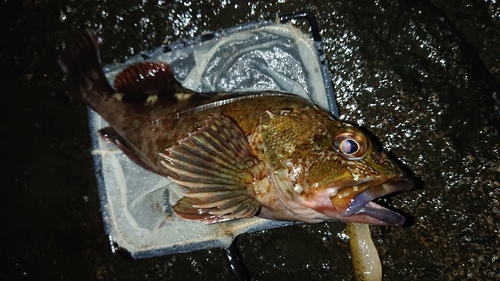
(267, 154)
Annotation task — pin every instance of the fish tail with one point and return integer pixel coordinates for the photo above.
(81, 61)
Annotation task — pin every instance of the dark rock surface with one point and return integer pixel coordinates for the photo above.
(423, 76)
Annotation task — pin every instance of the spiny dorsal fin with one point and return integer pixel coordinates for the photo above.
(149, 82)
(217, 167)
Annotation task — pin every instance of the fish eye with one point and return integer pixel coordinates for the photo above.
(351, 145)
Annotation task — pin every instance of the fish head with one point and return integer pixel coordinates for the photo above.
(326, 169)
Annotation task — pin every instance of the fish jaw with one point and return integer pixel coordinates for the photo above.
(352, 203)
(357, 205)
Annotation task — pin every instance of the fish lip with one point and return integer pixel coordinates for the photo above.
(363, 204)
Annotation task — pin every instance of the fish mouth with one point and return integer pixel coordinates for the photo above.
(363, 204)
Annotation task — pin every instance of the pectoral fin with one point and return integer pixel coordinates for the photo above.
(216, 166)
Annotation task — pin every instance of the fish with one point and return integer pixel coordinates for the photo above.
(269, 154)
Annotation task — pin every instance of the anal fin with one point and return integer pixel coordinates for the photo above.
(111, 136)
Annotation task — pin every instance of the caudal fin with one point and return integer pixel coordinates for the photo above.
(81, 61)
